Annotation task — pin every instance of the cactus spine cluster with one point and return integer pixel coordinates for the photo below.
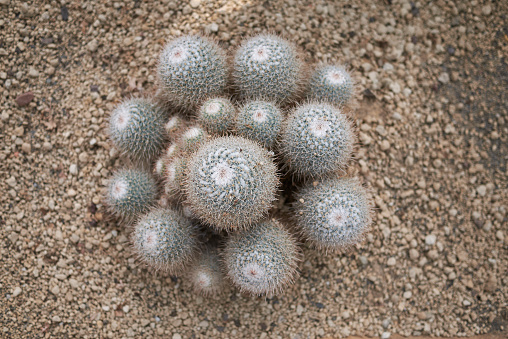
(131, 192)
(165, 239)
(216, 116)
(266, 66)
(317, 139)
(192, 68)
(231, 182)
(262, 259)
(333, 214)
(136, 128)
(332, 84)
(215, 175)
(260, 121)
(206, 274)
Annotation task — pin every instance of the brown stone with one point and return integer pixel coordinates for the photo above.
(24, 99)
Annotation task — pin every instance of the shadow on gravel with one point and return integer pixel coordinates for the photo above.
(484, 98)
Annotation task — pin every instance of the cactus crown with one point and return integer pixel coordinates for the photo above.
(261, 259)
(165, 239)
(332, 84)
(269, 67)
(136, 128)
(131, 192)
(192, 68)
(216, 115)
(231, 182)
(259, 121)
(334, 214)
(317, 139)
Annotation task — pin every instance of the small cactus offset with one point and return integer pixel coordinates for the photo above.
(260, 121)
(136, 128)
(131, 192)
(174, 126)
(191, 139)
(231, 182)
(332, 84)
(165, 240)
(218, 171)
(205, 273)
(267, 66)
(174, 178)
(334, 214)
(217, 115)
(262, 259)
(191, 69)
(317, 140)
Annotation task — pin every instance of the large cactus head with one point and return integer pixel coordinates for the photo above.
(261, 259)
(334, 214)
(231, 182)
(267, 66)
(216, 115)
(191, 69)
(165, 240)
(137, 128)
(317, 139)
(131, 192)
(332, 84)
(260, 121)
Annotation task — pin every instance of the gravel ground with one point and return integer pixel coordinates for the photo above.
(432, 112)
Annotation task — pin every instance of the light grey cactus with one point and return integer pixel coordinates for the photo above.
(261, 259)
(334, 214)
(137, 128)
(332, 84)
(231, 182)
(267, 66)
(260, 121)
(131, 192)
(191, 69)
(317, 139)
(165, 240)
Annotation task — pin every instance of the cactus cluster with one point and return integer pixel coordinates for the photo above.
(207, 209)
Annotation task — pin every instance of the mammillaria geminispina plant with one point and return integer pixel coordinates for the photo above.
(222, 152)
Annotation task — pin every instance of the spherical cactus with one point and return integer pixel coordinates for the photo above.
(131, 192)
(191, 139)
(332, 84)
(262, 259)
(137, 128)
(260, 121)
(165, 240)
(333, 214)
(205, 274)
(231, 182)
(191, 69)
(267, 66)
(316, 140)
(216, 115)
(176, 170)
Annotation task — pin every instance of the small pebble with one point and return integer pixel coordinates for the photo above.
(195, 3)
(430, 239)
(24, 99)
(16, 292)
